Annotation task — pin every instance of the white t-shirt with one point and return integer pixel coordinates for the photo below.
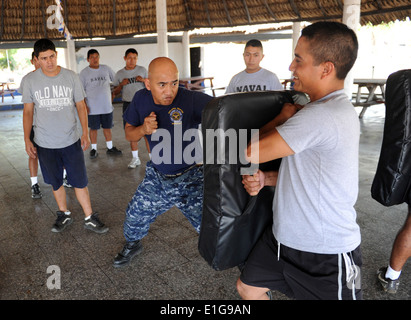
(96, 83)
(262, 80)
(317, 187)
(130, 89)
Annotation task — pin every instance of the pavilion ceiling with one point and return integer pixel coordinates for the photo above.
(27, 20)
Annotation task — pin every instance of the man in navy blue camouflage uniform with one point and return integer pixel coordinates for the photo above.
(166, 115)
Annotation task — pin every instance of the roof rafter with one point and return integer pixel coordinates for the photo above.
(23, 19)
(246, 11)
(88, 19)
(295, 9)
(188, 14)
(227, 13)
(271, 13)
(319, 5)
(114, 17)
(43, 11)
(208, 13)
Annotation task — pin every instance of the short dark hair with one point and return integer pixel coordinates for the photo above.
(131, 50)
(43, 45)
(332, 42)
(254, 43)
(92, 51)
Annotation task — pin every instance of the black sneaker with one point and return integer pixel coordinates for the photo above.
(94, 224)
(35, 191)
(130, 250)
(93, 153)
(390, 286)
(114, 151)
(63, 220)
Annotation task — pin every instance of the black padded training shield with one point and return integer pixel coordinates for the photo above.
(392, 180)
(232, 220)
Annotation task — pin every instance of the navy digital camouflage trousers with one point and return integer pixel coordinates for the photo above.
(157, 193)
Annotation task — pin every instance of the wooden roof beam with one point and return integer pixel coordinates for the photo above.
(246, 11)
(295, 9)
(208, 13)
(319, 5)
(23, 20)
(114, 17)
(88, 19)
(387, 10)
(340, 4)
(2, 20)
(271, 13)
(139, 16)
(65, 11)
(43, 11)
(379, 6)
(227, 13)
(188, 14)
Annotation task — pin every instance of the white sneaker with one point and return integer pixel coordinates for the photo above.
(134, 163)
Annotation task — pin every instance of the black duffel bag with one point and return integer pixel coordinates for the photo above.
(232, 220)
(392, 180)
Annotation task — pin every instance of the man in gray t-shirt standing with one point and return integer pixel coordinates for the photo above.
(254, 77)
(53, 97)
(96, 79)
(312, 250)
(128, 81)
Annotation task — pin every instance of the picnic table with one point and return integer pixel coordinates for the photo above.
(370, 96)
(198, 83)
(5, 89)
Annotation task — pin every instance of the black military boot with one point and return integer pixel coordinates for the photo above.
(130, 250)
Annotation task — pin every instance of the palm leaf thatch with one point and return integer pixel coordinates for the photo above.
(27, 20)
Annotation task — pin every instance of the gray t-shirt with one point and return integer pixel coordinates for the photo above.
(55, 113)
(130, 89)
(96, 83)
(262, 80)
(21, 89)
(317, 187)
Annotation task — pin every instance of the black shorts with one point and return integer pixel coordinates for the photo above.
(103, 120)
(32, 136)
(303, 275)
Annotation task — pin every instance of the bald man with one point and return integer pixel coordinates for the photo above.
(169, 117)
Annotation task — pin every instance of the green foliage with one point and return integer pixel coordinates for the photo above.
(11, 60)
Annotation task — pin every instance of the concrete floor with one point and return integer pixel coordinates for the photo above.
(170, 266)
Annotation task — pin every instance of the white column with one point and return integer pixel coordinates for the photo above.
(296, 34)
(351, 17)
(71, 60)
(295, 37)
(186, 72)
(161, 15)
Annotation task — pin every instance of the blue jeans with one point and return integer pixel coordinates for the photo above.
(157, 193)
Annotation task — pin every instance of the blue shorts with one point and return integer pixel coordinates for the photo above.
(125, 106)
(53, 161)
(158, 193)
(105, 120)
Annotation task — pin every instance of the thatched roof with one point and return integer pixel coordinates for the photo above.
(27, 19)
